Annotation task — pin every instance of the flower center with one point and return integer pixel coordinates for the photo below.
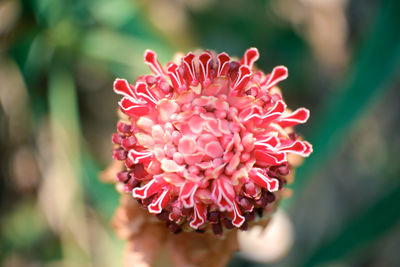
(201, 141)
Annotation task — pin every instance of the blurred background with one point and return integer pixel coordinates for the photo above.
(58, 60)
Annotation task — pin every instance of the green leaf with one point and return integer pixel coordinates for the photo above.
(377, 65)
(65, 119)
(358, 233)
(123, 49)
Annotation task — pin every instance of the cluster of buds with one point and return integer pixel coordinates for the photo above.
(205, 141)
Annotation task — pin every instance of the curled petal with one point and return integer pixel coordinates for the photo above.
(160, 203)
(237, 218)
(140, 156)
(242, 79)
(222, 193)
(271, 184)
(190, 71)
(257, 115)
(278, 74)
(133, 108)
(199, 215)
(298, 116)
(223, 64)
(274, 113)
(266, 158)
(148, 189)
(308, 150)
(142, 90)
(252, 113)
(187, 192)
(122, 87)
(267, 142)
(298, 147)
(176, 77)
(205, 68)
(250, 56)
(150, 57)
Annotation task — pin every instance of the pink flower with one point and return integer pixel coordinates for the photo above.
(206, 142)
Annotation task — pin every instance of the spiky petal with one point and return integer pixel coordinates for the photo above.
(207, 139)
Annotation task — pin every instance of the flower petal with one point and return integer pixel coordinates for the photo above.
(278, 74)
(298, 116)
(250, 56)
(160, 203)
(168, 165)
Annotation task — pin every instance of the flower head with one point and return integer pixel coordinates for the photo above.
(206, 140)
